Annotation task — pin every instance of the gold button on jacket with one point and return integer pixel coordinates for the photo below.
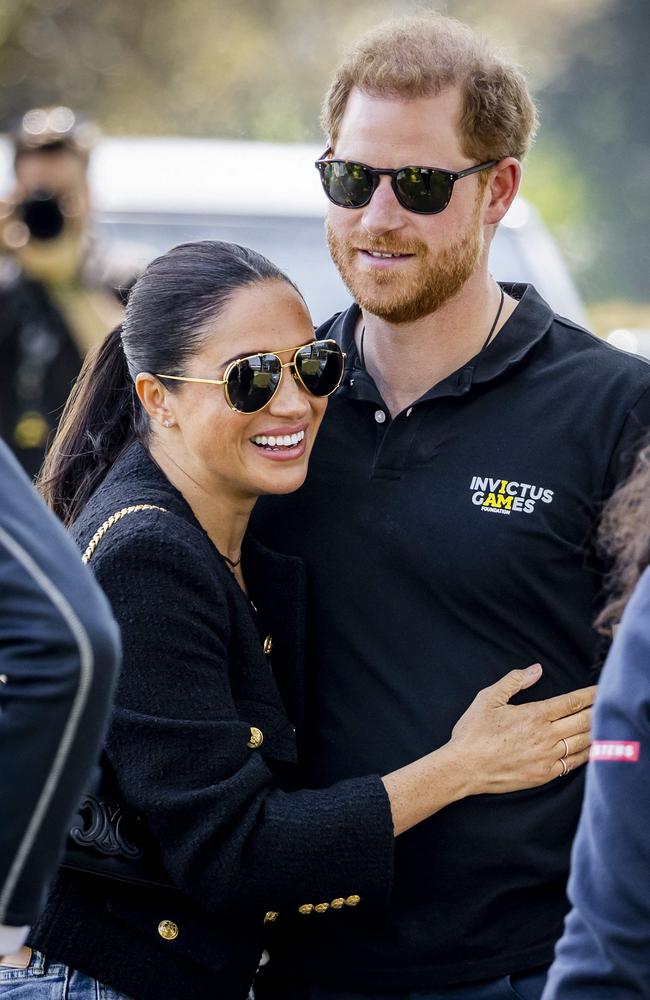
(336, 904)
(270, 917)
(257, 738)
(268, 645)
(168, 930)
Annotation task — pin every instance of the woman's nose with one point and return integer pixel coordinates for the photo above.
(291, 398)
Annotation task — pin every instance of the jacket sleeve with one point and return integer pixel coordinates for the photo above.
(59, 654)
(179, 747)
(604, 951)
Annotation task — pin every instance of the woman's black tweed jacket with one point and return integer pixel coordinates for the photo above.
(235, 836)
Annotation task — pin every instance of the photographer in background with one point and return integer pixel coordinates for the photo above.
(60, 292)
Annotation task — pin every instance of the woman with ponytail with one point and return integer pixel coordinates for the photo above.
(605, 951)
(96, 426)
(210, 395)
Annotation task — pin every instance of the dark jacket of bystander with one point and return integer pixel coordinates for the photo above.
(59, 655)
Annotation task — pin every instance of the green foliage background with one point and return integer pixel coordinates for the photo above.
(258, 69)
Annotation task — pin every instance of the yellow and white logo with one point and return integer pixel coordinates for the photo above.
(504, 496)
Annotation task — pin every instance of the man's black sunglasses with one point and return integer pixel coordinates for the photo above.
(425, 190)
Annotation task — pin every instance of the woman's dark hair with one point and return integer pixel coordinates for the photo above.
(164, 326)
(625, 538)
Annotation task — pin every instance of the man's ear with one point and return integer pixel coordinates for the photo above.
(501, 189)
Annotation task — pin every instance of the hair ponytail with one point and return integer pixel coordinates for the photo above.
(98, 422)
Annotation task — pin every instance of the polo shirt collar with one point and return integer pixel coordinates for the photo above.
(530, 321)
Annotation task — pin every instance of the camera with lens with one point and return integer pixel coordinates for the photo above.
(42, 212)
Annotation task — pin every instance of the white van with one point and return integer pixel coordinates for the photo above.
(161, 192)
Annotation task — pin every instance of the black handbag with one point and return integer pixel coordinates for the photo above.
(105, 837)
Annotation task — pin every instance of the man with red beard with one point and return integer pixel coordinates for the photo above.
(447, 519)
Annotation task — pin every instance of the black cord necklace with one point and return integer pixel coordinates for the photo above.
(496, 320)
(362, 356)
(231, 563)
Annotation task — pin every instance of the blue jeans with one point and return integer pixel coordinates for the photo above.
(43, 980)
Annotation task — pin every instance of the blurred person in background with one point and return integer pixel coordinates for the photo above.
(60, 290)
(456, 482)
(59, 654)
(604, 953)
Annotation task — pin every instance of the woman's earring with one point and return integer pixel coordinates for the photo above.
(167, 423)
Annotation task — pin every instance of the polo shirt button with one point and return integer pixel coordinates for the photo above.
(380, 416)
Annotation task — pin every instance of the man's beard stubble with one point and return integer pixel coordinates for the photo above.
(392, 296)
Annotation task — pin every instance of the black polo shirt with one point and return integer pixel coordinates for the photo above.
(445, 547)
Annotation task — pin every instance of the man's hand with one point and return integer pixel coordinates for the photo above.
(509, 747)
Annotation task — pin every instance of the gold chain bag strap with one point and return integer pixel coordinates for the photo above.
(110, 521)
(105, 837)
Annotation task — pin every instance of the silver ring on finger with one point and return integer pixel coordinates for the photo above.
(565, 769)
(566, 748)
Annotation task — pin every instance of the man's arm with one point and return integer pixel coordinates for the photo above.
(59, 654)
(634, 430)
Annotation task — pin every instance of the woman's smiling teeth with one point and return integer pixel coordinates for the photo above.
(279, 441)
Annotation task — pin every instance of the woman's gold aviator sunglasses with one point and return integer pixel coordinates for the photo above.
(250, 383)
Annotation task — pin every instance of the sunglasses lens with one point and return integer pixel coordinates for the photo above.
(320, 367)
(346, 184)
(252, 382)
(425, 191)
